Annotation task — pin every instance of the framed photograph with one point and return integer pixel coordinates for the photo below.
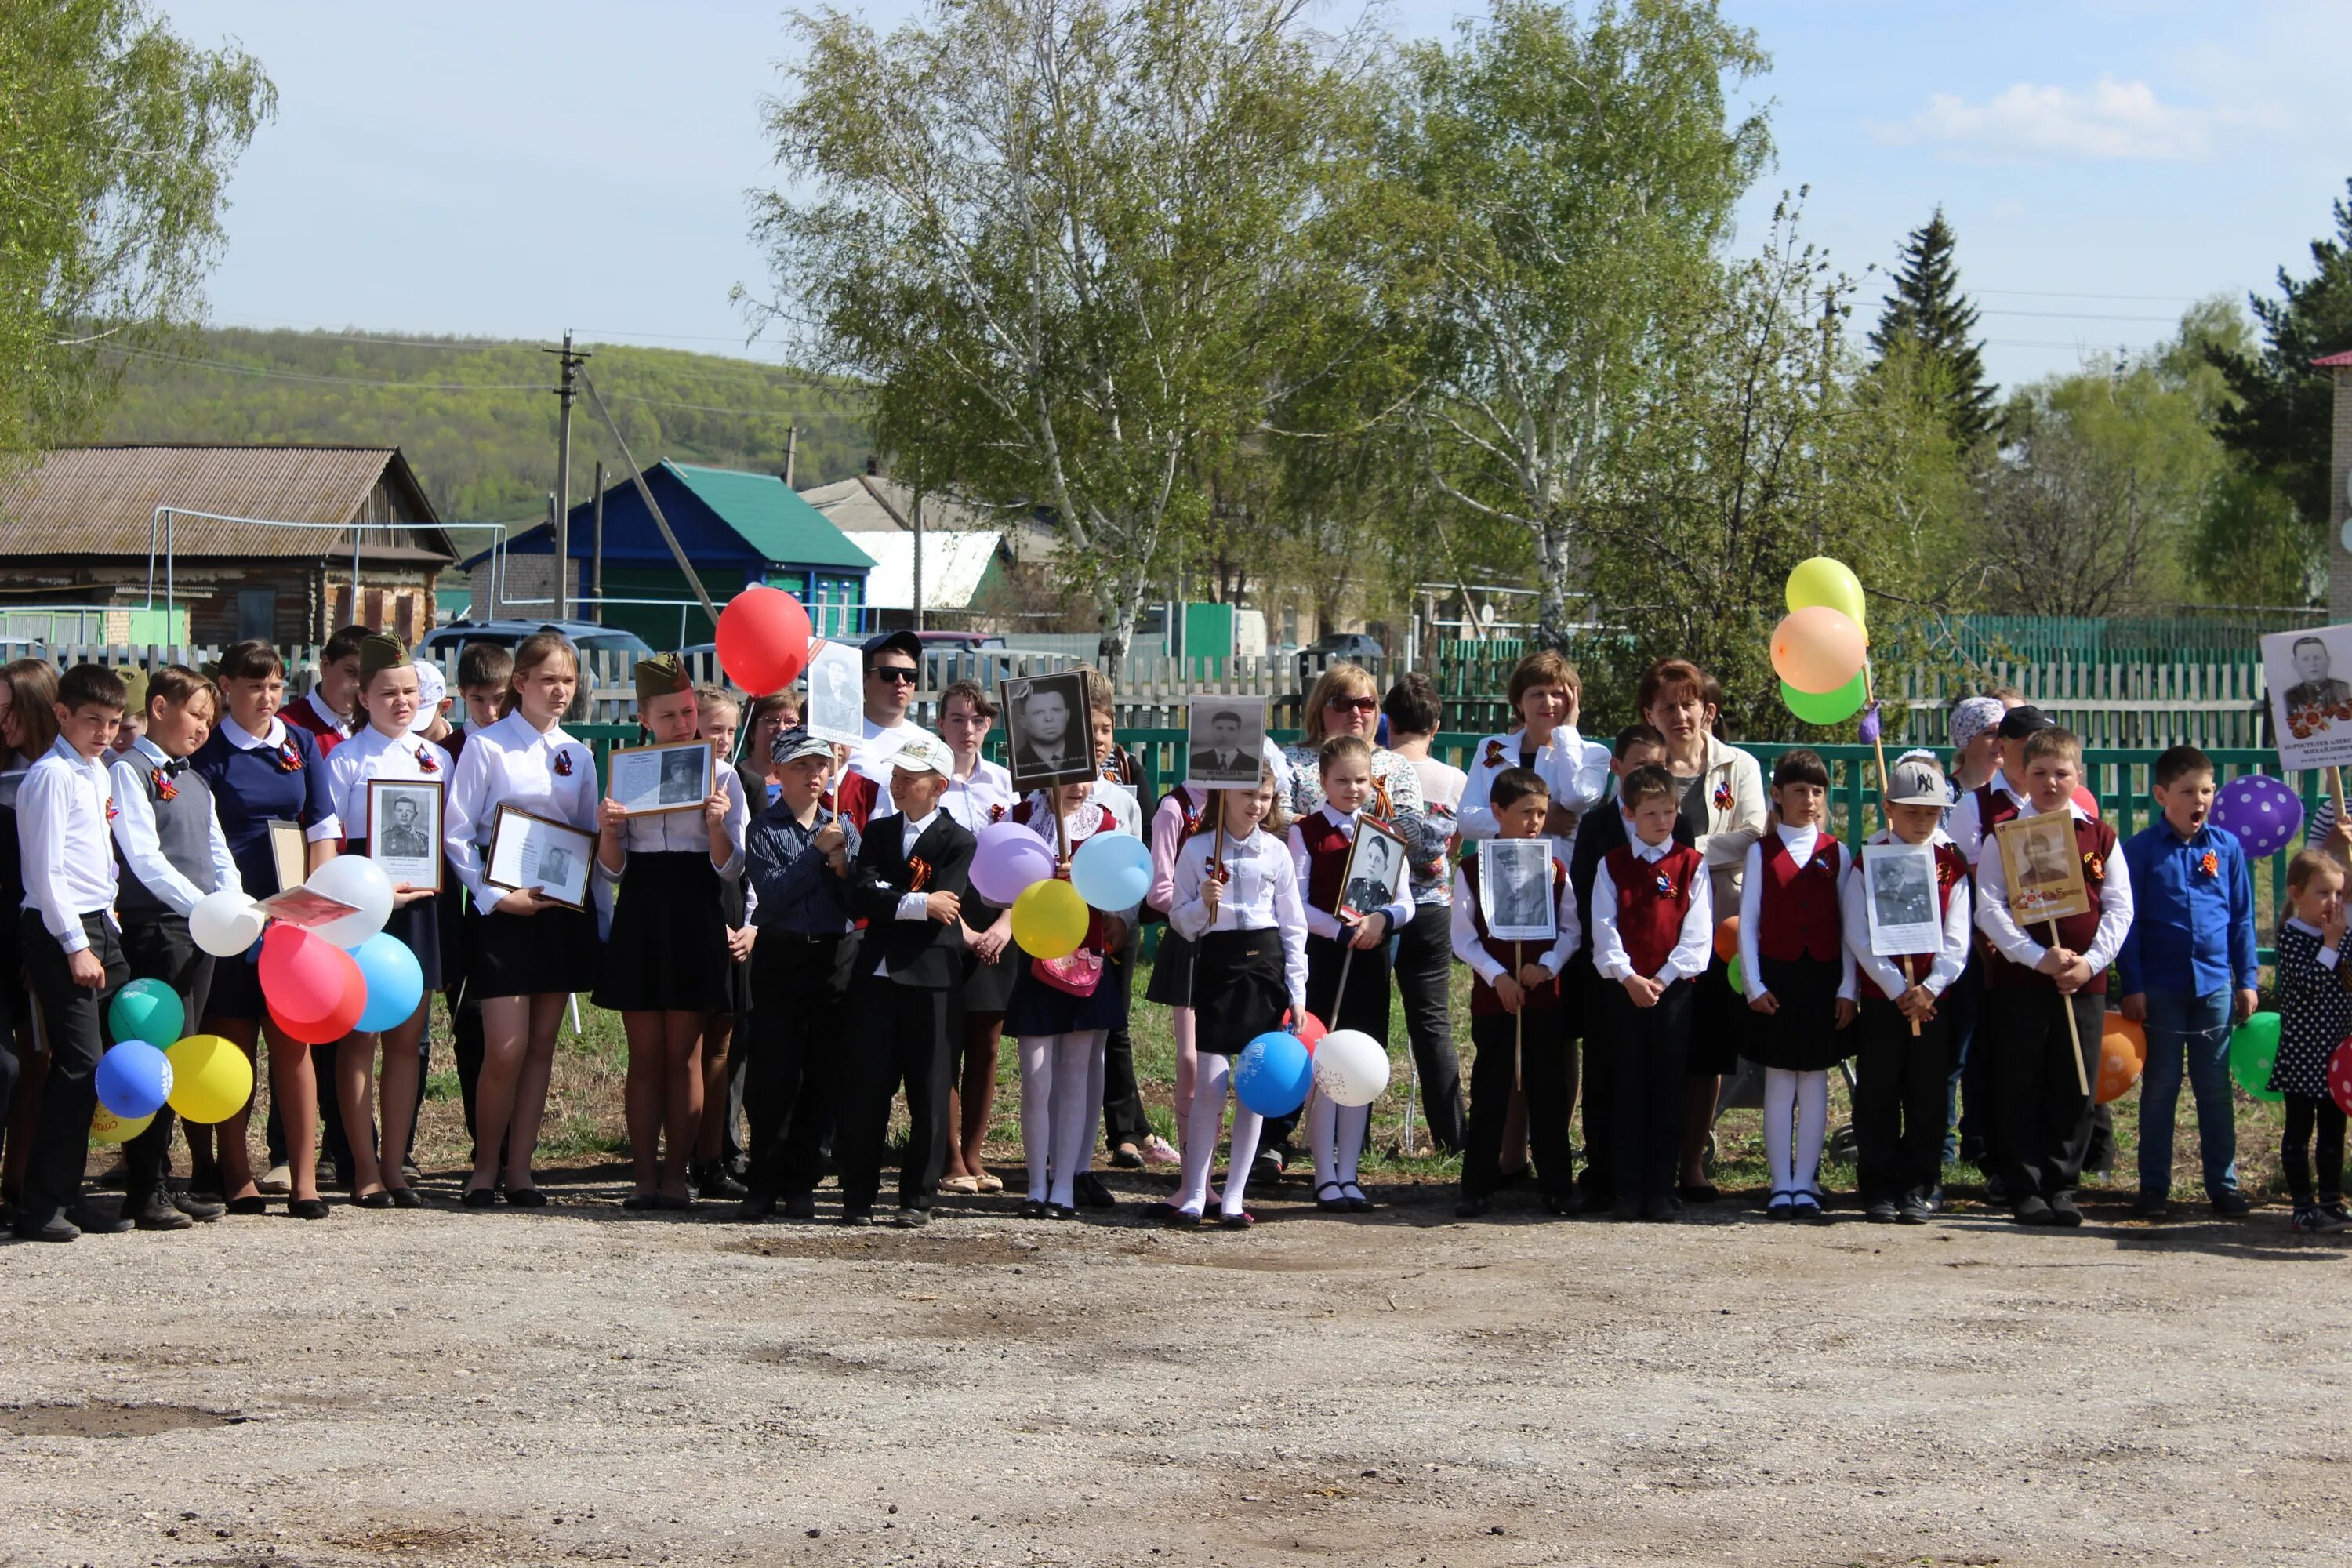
(1376, 872)
(650, 780)
(2311, 700)
(290, 851)
(1515, 890)
(298, 906)
(1898, 884)
(531, 852)
(1224, 741)
(836, 694)
(405, 831)
(2045, 877)
(1047, 735)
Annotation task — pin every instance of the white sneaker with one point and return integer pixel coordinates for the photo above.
(1158, 1151)
(276, 1179)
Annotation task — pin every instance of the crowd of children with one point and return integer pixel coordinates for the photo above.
(802, 947)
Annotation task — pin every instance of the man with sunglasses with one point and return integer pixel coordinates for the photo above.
(894, 669)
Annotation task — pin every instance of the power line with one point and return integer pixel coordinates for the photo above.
(2082, 316)
(2064, 294)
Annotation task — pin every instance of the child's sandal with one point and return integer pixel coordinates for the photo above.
(1781, 1205)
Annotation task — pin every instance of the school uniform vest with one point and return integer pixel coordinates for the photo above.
(1327, 860)
(1483, 1000)
(1951, 870)
(1994, 807)
(856, 797)
(1652, 899)
(1797, 912)
(2095, 841)
(183, 823)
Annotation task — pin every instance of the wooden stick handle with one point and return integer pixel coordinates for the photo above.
(1518, 1019)
(2073, 1031)
(1910, 979)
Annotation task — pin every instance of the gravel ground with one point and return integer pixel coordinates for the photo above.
(442, 1387)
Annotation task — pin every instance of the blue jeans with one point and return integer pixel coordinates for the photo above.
(2195, 1029)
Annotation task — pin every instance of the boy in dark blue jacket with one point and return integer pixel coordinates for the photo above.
(2189, 974)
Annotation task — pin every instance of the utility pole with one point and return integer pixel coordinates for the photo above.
(791, 450)
(569, 391)
(596, 546)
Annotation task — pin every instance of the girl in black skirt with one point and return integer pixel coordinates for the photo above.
(721, 720)
(1176, 820)
(1236, 900)
(525, 952)
(1798, 975)
(667, 964)
(387, 748)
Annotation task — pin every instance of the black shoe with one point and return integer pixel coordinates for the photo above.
(2231, 1204)
(1033, 1208)
(1336, 1203)
(1469, 1207)
(378, 1199)
(1515, 1177)
(1160, 1210)
(914, 1219)
(1090, 1192)
(1915, 1209)
(1563, 1206)
(858, 1217)
(2031, 1210)
(305, 1208)
(1626, 1210)
(756, 1207)
(1241, 1221)
(408, 1169)
(2101, 1158)
(1882, 1211)
(641, 1203)
(250, 1205)
(56, 1228)
(155, 1211)
(1659, 1210)
(1126, 1157)
(2151, 1206)
(1060, 1211)
(1698, 1193)
(1265, 1169)
(2062, 1211)
(526, 1197)
(1996, 1190)
(406, 1198)
(1182, 1219)
(481, 1197)
(800, 1205)
(716, 1183)
(1807, 1207)
(203, 1210)
(668, 1205)
(90, 1222)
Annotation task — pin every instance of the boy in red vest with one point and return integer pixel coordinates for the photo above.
(2034, 980)
(1652, 934)
(1516, 1019)
(1900, 1076)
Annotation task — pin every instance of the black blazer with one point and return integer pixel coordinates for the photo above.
(927, 955)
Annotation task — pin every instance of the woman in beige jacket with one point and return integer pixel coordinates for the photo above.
(1723, 807)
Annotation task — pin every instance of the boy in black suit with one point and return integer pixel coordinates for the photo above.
(907, 884)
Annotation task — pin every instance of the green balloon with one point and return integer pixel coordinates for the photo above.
(2253, 1049)
(1828, 706)
(148, 1010)
(1738, 977)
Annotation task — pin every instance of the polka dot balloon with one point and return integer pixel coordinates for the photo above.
(2339, 1078)
(2261, 811)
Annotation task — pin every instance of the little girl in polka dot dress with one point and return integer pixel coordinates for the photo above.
(2314, 1016)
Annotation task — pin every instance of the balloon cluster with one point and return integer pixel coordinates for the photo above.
(1013, 868)
(1275, 1071)
(1820, 649)
(324, 982)
(203, 1077)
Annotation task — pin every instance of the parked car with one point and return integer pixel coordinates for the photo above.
(586, 636)
(1337, 647)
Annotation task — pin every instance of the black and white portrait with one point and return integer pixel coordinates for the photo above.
(405, 831)
(1223, 741)
(1899, 883)
(2310, 700)
(1515, 890)
(648, 780)
(549, 857)
(837, 703)
(2045, 874)
(681, 778)
(1375, 874)
(1047, 731)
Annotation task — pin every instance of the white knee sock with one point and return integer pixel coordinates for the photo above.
(1201, 1129)
(1188, 1068)
(1037, 1110)
(1780, 1104)
(1075, 1110)
(1247, 1125)
(1812, 1126)
(1349, 1130)
(1320, 1127)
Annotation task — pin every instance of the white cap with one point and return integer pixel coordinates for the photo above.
(431, 692)
(922, 754)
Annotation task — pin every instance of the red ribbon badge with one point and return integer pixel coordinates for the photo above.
(564, 764)
(2211, 865)
(289, 756)
(166, 790)
(922, 872)
(1493, 753)
(1666, 886)
(1723, 796)
(425, 762)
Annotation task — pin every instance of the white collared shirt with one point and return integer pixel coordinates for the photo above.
(974, 802)
(912, 906)
(1800, 843)
(135, 833)
(328, 716)
(511, 763)
(1692, 944)
(1261, 893)
(1888, 974)
(372, 754)
(1323, 922)
(329, 826)
(685, 831)
(1966, 826)
(1472, 951)
(1574, 769)
(2114, 907)
(63, 835)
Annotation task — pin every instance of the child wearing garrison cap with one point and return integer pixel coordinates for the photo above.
(1902, 1063)
(666, 961)
(390, 699)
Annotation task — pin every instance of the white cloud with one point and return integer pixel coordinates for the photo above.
(2114, 119)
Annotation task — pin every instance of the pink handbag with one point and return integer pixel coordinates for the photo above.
(1078, 973)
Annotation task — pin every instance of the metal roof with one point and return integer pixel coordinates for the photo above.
(100, 500)
(771, 517)
(2335, 362)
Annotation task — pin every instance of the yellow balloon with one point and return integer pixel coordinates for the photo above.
(108, 1127)
(211, 1078)
(1049, 920)
(1831, 584)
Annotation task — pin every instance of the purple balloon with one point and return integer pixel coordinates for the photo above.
(1008, 859)
(2263, 811)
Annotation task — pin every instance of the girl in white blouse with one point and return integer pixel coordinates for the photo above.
(527, 951)
(1236, 899)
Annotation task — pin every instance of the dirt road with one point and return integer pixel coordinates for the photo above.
(575, 1386)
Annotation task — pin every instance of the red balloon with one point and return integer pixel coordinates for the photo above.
(1312, 1032)
(763, 639)
(335, 1025)
(2088, 801)
(305, 977)
(2339, 1077)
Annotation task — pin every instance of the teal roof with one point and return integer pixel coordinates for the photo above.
(771, 517)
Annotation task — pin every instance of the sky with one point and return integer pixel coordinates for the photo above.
(520, 167)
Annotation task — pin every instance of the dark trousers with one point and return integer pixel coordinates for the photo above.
(1968, 1095)
(2045, 1120)
(1649, 1082)
(2314, 1134)
(901, 1037)
(1123, 1118)
(162, 950)
(1899, 1084)
(76, 1016)
(1424, 972)
(1364, 1007)
(1599, 1100)
(798, 984)
(13, 1025)
(1547, 1069)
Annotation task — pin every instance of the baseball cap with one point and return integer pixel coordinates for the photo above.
(922, 754)
(431, 692)
(907, 643)
(791, 746)
(2020, 722)
(1917, 781)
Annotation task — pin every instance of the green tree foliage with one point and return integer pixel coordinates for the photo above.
(116, 142)
(2279, 425)
(477, 419)
(1928, 319)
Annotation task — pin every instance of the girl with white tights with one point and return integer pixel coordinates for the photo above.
(1236, 900)
(1176, 820)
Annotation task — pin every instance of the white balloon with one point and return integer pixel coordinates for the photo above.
(1350, 1067)
(226, 923)
(356, 880)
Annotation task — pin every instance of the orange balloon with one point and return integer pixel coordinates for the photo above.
(2122, 1056)
(1726, 938)
(1818, 649)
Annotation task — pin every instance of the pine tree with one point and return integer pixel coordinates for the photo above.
(1928, 316)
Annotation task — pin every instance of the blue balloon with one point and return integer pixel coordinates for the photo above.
(1273, 1073)
(1111, 871)
(394, 983)
(134, 1079)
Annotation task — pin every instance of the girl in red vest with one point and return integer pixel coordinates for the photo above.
(1348, 929)
(1799, 977)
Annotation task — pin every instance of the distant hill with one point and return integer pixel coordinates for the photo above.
(486, 455)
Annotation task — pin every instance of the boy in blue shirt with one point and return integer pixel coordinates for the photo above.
(2189, 974)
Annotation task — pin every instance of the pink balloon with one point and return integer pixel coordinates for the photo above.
(1009, 860)
(305, 977)
(2088, 801)
(1818, 649)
